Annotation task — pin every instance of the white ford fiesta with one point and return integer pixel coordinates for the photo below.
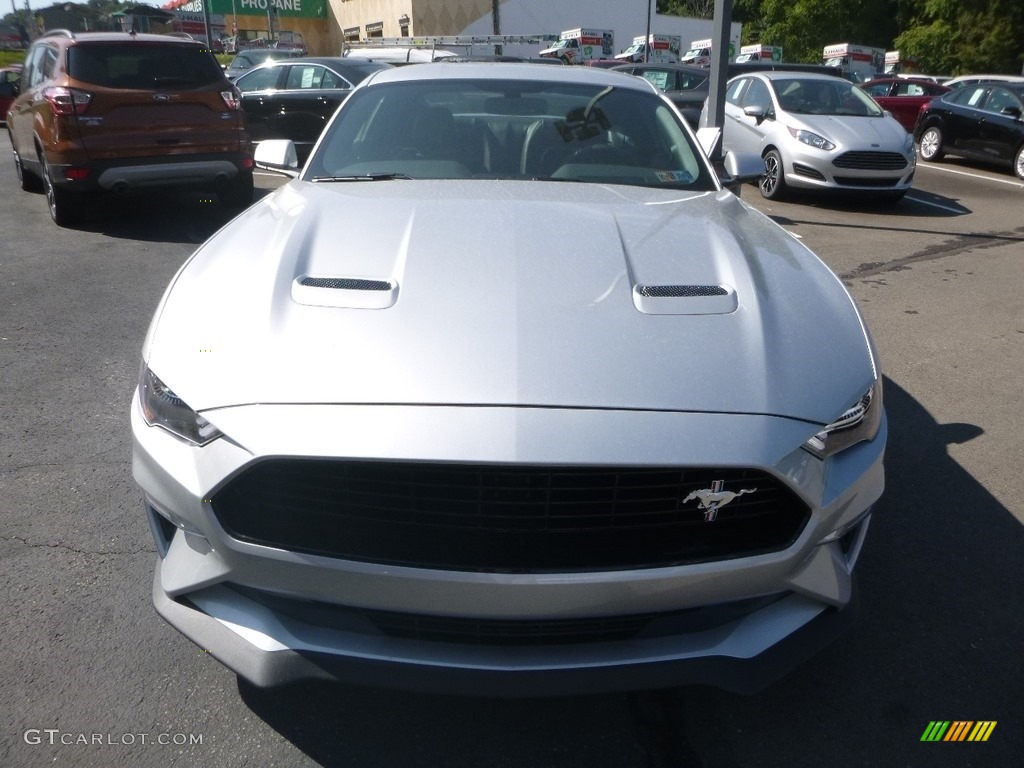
(504, 393)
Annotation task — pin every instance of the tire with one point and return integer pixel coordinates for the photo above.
(237, 193)
(65, 207)
(1018, 162)
(931, 144)
(895, 197)
(29, 181)
(773, 183)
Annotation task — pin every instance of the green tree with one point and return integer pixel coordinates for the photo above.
(963, 36)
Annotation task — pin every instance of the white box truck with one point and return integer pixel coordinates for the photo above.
(659, 49)
(699, 54)
(860, 61)
(576, 46)
(759, 53)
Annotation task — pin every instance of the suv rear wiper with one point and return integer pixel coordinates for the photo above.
(363, 177)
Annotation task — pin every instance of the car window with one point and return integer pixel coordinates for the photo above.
(878, 89)
(999, 100)
(910, 89)
(262, 79)
(687, 81)
(656, 77)
(824, 96)
(735, 89)
(334, 80)
(510, 129)
(305, 77)
(134, 66)
(970, 95)
(757, 95)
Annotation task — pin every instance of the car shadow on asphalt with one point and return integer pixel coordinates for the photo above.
(167, 217)
(938, 637)
(917, 203)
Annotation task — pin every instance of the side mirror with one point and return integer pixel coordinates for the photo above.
(739, 168)
(1013, 112)
(277, 155)
(756, 112)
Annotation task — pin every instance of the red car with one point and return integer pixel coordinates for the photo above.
(9, 79)
(903, 96)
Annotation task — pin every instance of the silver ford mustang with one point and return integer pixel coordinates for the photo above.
(504, 393)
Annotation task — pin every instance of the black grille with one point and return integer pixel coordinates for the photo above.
(871, 161)
(505, 518)
(681, 291)
(346, 283)
(859, 181)
(806, 170)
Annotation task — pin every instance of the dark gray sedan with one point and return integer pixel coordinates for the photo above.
(294, 98)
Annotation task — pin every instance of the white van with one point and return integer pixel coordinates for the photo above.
(397, 56)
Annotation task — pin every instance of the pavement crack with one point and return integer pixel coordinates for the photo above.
(77, 551)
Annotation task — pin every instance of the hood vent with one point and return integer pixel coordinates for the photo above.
(346, 283)
(344, 292)
(685, 299)
(680, 291)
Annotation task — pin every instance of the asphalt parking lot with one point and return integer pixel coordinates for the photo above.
(90, 676)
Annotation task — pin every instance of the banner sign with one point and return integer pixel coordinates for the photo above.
(301, 9)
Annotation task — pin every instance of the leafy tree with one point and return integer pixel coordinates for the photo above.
(964, 36)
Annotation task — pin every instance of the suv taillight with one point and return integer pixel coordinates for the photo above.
(232, 99)
(67, 101)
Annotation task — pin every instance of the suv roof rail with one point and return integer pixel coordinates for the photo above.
(58, 33)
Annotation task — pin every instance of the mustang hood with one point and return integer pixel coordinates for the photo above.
(528, 293)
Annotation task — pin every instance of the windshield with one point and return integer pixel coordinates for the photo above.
(833, 96)
(509, 129)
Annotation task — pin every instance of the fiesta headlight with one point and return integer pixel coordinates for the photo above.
(811, 139)
(908, 145)
(858, 423)
(162, 408)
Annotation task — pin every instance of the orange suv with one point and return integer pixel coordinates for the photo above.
(113, 112)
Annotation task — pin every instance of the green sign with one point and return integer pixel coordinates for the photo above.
(302, 9)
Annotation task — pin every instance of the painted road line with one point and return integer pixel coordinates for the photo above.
(1017, 184)
(961, 210)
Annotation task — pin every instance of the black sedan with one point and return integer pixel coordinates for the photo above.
(684, 85)
(984, 121)
(294, 98)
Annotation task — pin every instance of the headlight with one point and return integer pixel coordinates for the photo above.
(812, 139)
(162, 408)
(908, 145)
(858, 423)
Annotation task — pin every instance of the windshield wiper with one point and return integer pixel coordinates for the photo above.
(364, 177)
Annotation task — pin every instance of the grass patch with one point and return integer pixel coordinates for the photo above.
(11, 57)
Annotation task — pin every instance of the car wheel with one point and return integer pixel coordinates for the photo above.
(773, 183)
(238, 192)
(896, 196)
(29, 181)
(1018, 162)
(931, 144)
(65, 207)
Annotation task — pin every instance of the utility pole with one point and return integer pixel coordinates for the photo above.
(719, 71)
(496, 24)
(647, 42)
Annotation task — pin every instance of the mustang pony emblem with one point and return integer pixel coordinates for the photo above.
(714, 498)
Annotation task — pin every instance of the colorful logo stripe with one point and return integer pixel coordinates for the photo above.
(958, 730)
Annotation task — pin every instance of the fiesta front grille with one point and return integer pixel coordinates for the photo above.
(871, 161)
(860, 181)
(508, 518)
